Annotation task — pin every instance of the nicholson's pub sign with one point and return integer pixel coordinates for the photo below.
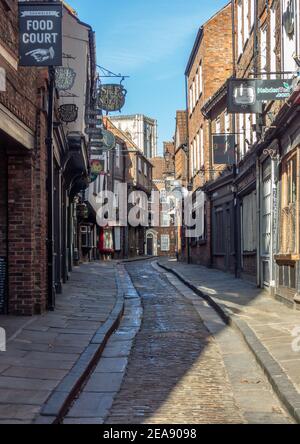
(40, 31)
(247, 95)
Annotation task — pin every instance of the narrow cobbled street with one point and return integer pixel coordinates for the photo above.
(175, 372)
(178, 372)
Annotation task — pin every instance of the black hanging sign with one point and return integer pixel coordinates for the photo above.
(40, 34)
(68, 113)
(224, 149)
(242, 97)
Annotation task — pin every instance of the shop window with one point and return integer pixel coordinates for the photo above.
(287, 276)
(288, 225)
(249, 223)
(140, 165)
(86, 237)
(165, 243)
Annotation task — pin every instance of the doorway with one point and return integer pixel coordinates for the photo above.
(151, 243)
(266, 223)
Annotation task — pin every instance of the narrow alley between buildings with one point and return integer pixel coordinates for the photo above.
(183, 365)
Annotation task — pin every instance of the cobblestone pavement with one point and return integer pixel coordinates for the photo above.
(176, 372)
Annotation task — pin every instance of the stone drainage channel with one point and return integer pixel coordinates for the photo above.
(213, 378)
(96, 397)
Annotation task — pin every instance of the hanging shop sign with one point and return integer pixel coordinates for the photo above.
(93, 113)
(94, 131)
(68, 113)
(109, 140)
(40, 34)
(111, 97)
(274, 89)
(224, 149)
(242, 97)
(97, 166)
(64, 78)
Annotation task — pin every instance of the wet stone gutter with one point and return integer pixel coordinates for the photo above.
(66, 392)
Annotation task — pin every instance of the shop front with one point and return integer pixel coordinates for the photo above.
(3, 230)
(288, 254)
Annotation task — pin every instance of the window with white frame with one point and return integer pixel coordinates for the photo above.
(165, 242)
(200, 79)
(198, 151)
(254, 134)
(240, 27)
(118, 155)
(289, 34)
(145, 169)
(273, 42)
(202, 147)
(194, 94)
(140, 164)
(246, 20)
(191, 99)
(252, 13)
(218, 125)
(195, 155)
(249, 226)
(248, 130)
(263, 51)
(227, 123)
(197, 85)
(241, 135)
(192, 159)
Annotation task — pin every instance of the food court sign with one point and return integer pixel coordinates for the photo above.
(40, 31)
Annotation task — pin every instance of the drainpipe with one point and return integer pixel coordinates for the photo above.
(235, 170)
(50, 181)
(189, 185)
(233, 38)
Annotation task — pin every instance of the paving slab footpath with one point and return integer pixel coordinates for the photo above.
(49, 357)
(267, 326)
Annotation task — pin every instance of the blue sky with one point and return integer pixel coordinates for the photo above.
(150, 41)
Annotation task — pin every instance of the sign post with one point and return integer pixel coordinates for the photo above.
(40, 33)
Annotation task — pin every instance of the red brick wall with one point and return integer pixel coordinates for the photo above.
(215, 53)
(3, 202)
(200, 253)
(27, 198)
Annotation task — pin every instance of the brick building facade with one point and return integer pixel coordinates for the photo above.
(24, 164)
(162, 240)
(209, 65)
(252, 203)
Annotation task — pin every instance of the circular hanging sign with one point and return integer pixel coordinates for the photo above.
(111, 97)
(109, 140)
(64, 78)
(68, 113)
